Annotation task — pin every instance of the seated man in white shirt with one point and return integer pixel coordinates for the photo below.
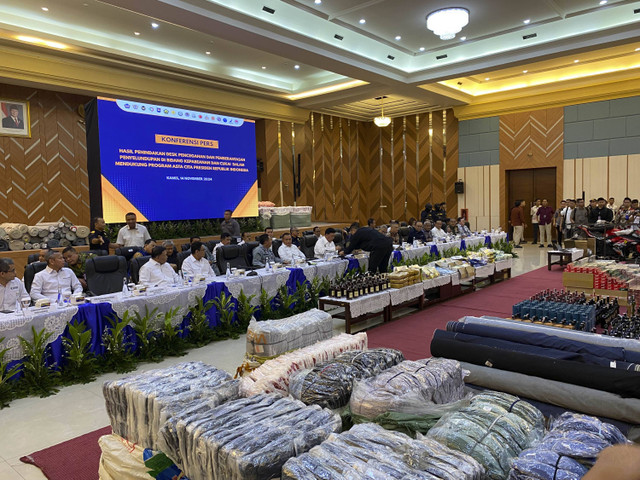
(225, 239)
(11, 288)
(196, 263)
(325, 244)
(157, 271)
(132, 234)
(54, 279)
(438, 231)
(288, 252)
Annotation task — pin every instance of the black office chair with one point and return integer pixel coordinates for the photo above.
(404, 233)
(100, 253)
(136, 265)
(307, 245)
(231, 254)
(211, 245)
(104, 274)
(127, 252)
(275, 245)
(182, 257)
(33, 257)
(30, 272)
(185, 247)
(338, 239)
(247, 250)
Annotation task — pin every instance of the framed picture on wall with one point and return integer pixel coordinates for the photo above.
(15, 118)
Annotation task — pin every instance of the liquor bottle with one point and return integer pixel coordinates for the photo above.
(349, 291)
(332, 291)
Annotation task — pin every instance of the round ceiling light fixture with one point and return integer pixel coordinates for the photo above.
(447, 22)
(382, 121)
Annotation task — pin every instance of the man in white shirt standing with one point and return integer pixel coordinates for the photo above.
(325, 244)
(567, 218)
(132, 234)
(437, 231)
(11, 288)
(157, 271)
(54, 279)
(288, 252)
(196, 263)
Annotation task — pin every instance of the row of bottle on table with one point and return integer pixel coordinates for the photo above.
(359, 285)
(623, 326)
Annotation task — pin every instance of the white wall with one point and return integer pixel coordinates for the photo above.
(481, 195)
(617, 176)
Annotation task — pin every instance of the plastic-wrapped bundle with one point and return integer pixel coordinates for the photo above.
(368, 451)
(273, 375)
(329, 384)
(275, 337)
(568, 450)
(249, 439)
(409, 387)
(493, 429)
(138, 405)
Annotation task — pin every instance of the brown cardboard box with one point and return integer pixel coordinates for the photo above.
(578, 280)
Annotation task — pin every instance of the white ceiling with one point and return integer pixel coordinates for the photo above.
(242, 38)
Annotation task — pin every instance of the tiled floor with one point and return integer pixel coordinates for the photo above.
(32, 424)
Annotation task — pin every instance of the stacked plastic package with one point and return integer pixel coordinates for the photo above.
(370, 452)
(409, 387)
(493, 429)
(270, 338)
(139, 405)
(273, 375)
(568, 450)
(329, 384)
(248, 439)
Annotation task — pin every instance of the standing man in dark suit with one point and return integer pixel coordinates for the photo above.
(13, 120)
(378, 245)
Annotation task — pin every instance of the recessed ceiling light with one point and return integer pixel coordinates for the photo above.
(45, 9)
(362, 21)
(154, 25)
(263, 67)
(398, 37)
(487, 79)
(462, 39)
(208, 53)
(603, 2)
(297, 67)
(638, 49)
(136, 33)
(422, 49)
(576, 61)
(525, 71)
(527, 21)
(318, 2)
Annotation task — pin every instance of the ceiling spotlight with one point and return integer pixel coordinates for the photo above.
(208, 53)
(362, 21)
(527, 21)
(576, 61)
(318, 2)
(422, 49)
(637, 49)
(447, 22)
(45, 9)
(263, 67)
(487, 79)
(525, 71)
(462, 39)
(382, 121)
(603, 2)
(398, 37)
(136, 33)
(154, 25)
(297, 67)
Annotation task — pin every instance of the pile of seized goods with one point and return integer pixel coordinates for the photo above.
(20, 236)
(457, 264)
(403, 276)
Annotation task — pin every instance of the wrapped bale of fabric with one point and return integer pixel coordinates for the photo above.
(281, 217)
(329, 384)
(301, 216)
(273, 375)
(493, 429)
(420, 391)
(270, 338)
(140, 404)
(568, 450)
(245, 439)
(368, 452)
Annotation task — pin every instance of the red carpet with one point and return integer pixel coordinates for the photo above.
(75, 459)
(412, 334)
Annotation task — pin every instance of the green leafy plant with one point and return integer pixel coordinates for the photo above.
(301, 297)
(266, 310)
(81, 364)
(169, 341)
(145, 328)
(118, 356)
(40, 378)
(200, 332)
(224, 304)
(506, 247)
(6, 374)
(246, 311)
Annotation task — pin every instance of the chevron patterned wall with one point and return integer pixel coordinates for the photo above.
(353, 170)
(44, 178)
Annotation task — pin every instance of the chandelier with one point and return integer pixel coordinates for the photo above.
(382, 121)
(447, 22)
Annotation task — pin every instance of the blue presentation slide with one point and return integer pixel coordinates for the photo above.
(168, 163)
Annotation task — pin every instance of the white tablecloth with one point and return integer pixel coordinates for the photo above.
(485, 270)
(504, 264)
(405, 294)
(372, 303)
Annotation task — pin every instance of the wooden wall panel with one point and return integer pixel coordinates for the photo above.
(286, 154)
(337, 171)
(363, 166)
(424, 161)
(375, 198)
(577, 174)
(350, 180)
(327, 177)
(451, 162)
(494, 181)
(437, 158)
(271, 186)
(399, 177)
(569, 181)
(319, 207)
(617, 178)
(386, 174)
(302, 148)
(411, 165)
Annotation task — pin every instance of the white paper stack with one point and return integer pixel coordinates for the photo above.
(275, 337)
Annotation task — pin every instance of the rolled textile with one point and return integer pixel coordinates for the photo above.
(566, 395)
(4, 246)
(587, 337)
(621, 382)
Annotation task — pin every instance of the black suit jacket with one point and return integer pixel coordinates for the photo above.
(8, 122)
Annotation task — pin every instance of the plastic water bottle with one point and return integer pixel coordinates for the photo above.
(59, 300)
(228, 271)
(268, 266)
(125, 287)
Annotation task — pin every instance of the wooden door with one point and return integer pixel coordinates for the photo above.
(528, 185)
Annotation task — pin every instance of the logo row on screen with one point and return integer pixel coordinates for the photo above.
(172, 112)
